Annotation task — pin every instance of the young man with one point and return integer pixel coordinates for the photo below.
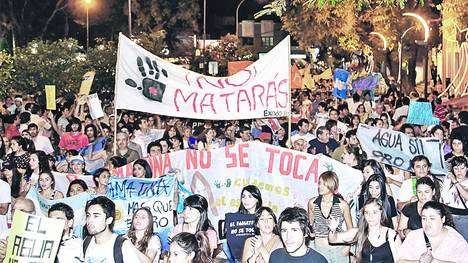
(102, 244)
(294, 231)
(41, 143)
(74, 139)
(71, 248)
(303, 131)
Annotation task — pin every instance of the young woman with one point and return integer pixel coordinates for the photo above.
(38, 163)
(370, 167)
(320, 209)
(455, 194)
(47, 186)
(353, 156)
(438, 132)
(375, 241)
(196, 220)
(190, 248)
(355, 120)
(101, 178)
(251, 200)
(375, 187)
(437, 241)
(457, 148)
(142, 169)
(141, 235)
(387, 121)
(259, 247)
(208, 140)
(20, 153)
(76, 186)
(18, 185)
(410, 218)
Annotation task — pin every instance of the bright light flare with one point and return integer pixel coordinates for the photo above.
(423, 23)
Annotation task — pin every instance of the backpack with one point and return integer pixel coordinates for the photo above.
(118, 257)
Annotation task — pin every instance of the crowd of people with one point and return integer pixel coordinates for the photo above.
(394, 216)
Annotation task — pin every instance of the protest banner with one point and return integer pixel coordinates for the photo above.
(285, 177)
(51, 104)
(95, 107)
(420, 113)
(397, 149)
(131, 193)
(369, 82)
(33, 238)
(340, 85)
(236, 66)
(147, 83)
(239, 227)
(76, 202)
(87, 82)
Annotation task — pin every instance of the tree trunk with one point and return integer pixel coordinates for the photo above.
(412, 66)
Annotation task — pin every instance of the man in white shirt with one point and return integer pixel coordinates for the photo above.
(99, 246)
(41, 143)
(303, 132)
(403, 110)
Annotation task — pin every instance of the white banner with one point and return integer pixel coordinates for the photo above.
(147, 83)
(285, 177)
(397, 149)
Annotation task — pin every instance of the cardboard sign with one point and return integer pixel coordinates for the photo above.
(87, 82)
(33, 238)
(95, 107)
(239, 227)
(420, 113)
(296, 77)
(397, 149)
(50, 97)
(340, 86)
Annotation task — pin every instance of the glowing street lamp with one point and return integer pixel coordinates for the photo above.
(87, 4)
(237, 17)
(384, 40)
(424, 44)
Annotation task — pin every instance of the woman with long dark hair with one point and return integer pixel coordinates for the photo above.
(257, 249)
(190, 248)
(375, 187)
(374, 241)
(142, 169)
(76, 187)
(251, 200)
(436, 241)
(38, 163)
(20, 151)
(142, 237)
(196, 220)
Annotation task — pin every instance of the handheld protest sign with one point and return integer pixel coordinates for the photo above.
(50, 97)
(87, 82)
(95, 107)
(420, 113)
(33, 238)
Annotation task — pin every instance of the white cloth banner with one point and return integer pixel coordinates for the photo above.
(147, 83)
(397, 149)
(285, 177)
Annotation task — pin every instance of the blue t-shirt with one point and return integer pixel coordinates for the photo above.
(281, 256)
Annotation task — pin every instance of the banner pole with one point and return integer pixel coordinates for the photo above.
(115, 96)
(289, 142)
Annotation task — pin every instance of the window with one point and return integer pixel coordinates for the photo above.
(267, 41)
(247, 41)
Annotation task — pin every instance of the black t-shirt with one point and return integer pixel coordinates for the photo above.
(281, 256)
(321, 147)
(411, 212)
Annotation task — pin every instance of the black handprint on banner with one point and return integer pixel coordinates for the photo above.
(151, 87)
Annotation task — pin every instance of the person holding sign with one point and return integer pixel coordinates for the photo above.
(71, 248)
(259, 247)
(437, 241)
(375, 241)
(102, 245)
(141, 235)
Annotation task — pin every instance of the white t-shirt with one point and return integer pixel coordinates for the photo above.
(5, 198)
(104, 253)
(451, 196)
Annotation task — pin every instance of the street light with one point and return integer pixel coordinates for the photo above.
(87, 4)
(384, 40)
(400, 55)
(237, 17)
(204, 36)
(129, 18)
(424, 44)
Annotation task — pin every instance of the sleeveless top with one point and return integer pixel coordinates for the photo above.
(321, 222)
(380, 254)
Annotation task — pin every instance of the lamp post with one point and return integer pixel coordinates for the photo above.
(384, 40)
(423, 43)
(400, 56)
(87, 3)
(237, 17)
(204, 36)
(129, 18)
